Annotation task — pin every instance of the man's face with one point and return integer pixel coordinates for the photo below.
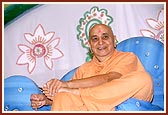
(101, 41)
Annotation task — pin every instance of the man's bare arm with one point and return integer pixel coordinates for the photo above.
(54, 85)
(92, 81)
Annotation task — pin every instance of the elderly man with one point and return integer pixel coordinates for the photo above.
(109, 79)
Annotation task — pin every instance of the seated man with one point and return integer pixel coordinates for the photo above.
(109, 79)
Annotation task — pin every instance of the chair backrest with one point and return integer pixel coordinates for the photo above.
(151, 54)
(69, 75)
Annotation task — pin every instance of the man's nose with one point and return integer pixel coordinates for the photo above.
(100, 41)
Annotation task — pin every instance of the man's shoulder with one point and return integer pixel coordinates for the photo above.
(122, 53)
(84, 65)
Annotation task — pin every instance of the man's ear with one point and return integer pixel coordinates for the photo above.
(89, 46)
(115, 41)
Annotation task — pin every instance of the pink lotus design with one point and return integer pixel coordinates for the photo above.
(157, 25)
(43, 47)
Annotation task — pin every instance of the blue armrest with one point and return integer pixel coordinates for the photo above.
(133, 104)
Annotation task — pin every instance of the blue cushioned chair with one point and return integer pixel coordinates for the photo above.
(151, 54)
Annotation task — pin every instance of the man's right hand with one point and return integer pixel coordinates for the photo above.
(39, 100)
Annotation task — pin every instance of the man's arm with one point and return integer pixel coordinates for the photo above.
(92, 81)
(54, 85)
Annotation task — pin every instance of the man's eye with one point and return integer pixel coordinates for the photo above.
(105, 37)
(94, 39)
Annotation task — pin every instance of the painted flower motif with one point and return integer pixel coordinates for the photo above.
(43, 46)
(157, 25)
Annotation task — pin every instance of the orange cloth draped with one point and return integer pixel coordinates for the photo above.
(135, 82)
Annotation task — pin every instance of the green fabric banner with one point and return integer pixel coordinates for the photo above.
(14, 10)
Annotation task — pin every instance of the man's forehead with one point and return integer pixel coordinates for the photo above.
(100, 28)
(100, 31)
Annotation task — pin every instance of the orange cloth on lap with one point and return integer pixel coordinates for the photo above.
(135, 82)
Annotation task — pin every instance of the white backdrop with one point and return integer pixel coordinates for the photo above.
(63, 19)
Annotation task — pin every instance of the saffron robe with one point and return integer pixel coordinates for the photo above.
(135, 82)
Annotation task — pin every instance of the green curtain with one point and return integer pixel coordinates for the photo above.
(14, 10)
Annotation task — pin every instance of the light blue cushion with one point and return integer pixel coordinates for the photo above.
(17, 92)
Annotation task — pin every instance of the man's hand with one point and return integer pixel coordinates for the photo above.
(39, 100)
(52, 87)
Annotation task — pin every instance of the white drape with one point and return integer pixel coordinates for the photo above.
(128, 20)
